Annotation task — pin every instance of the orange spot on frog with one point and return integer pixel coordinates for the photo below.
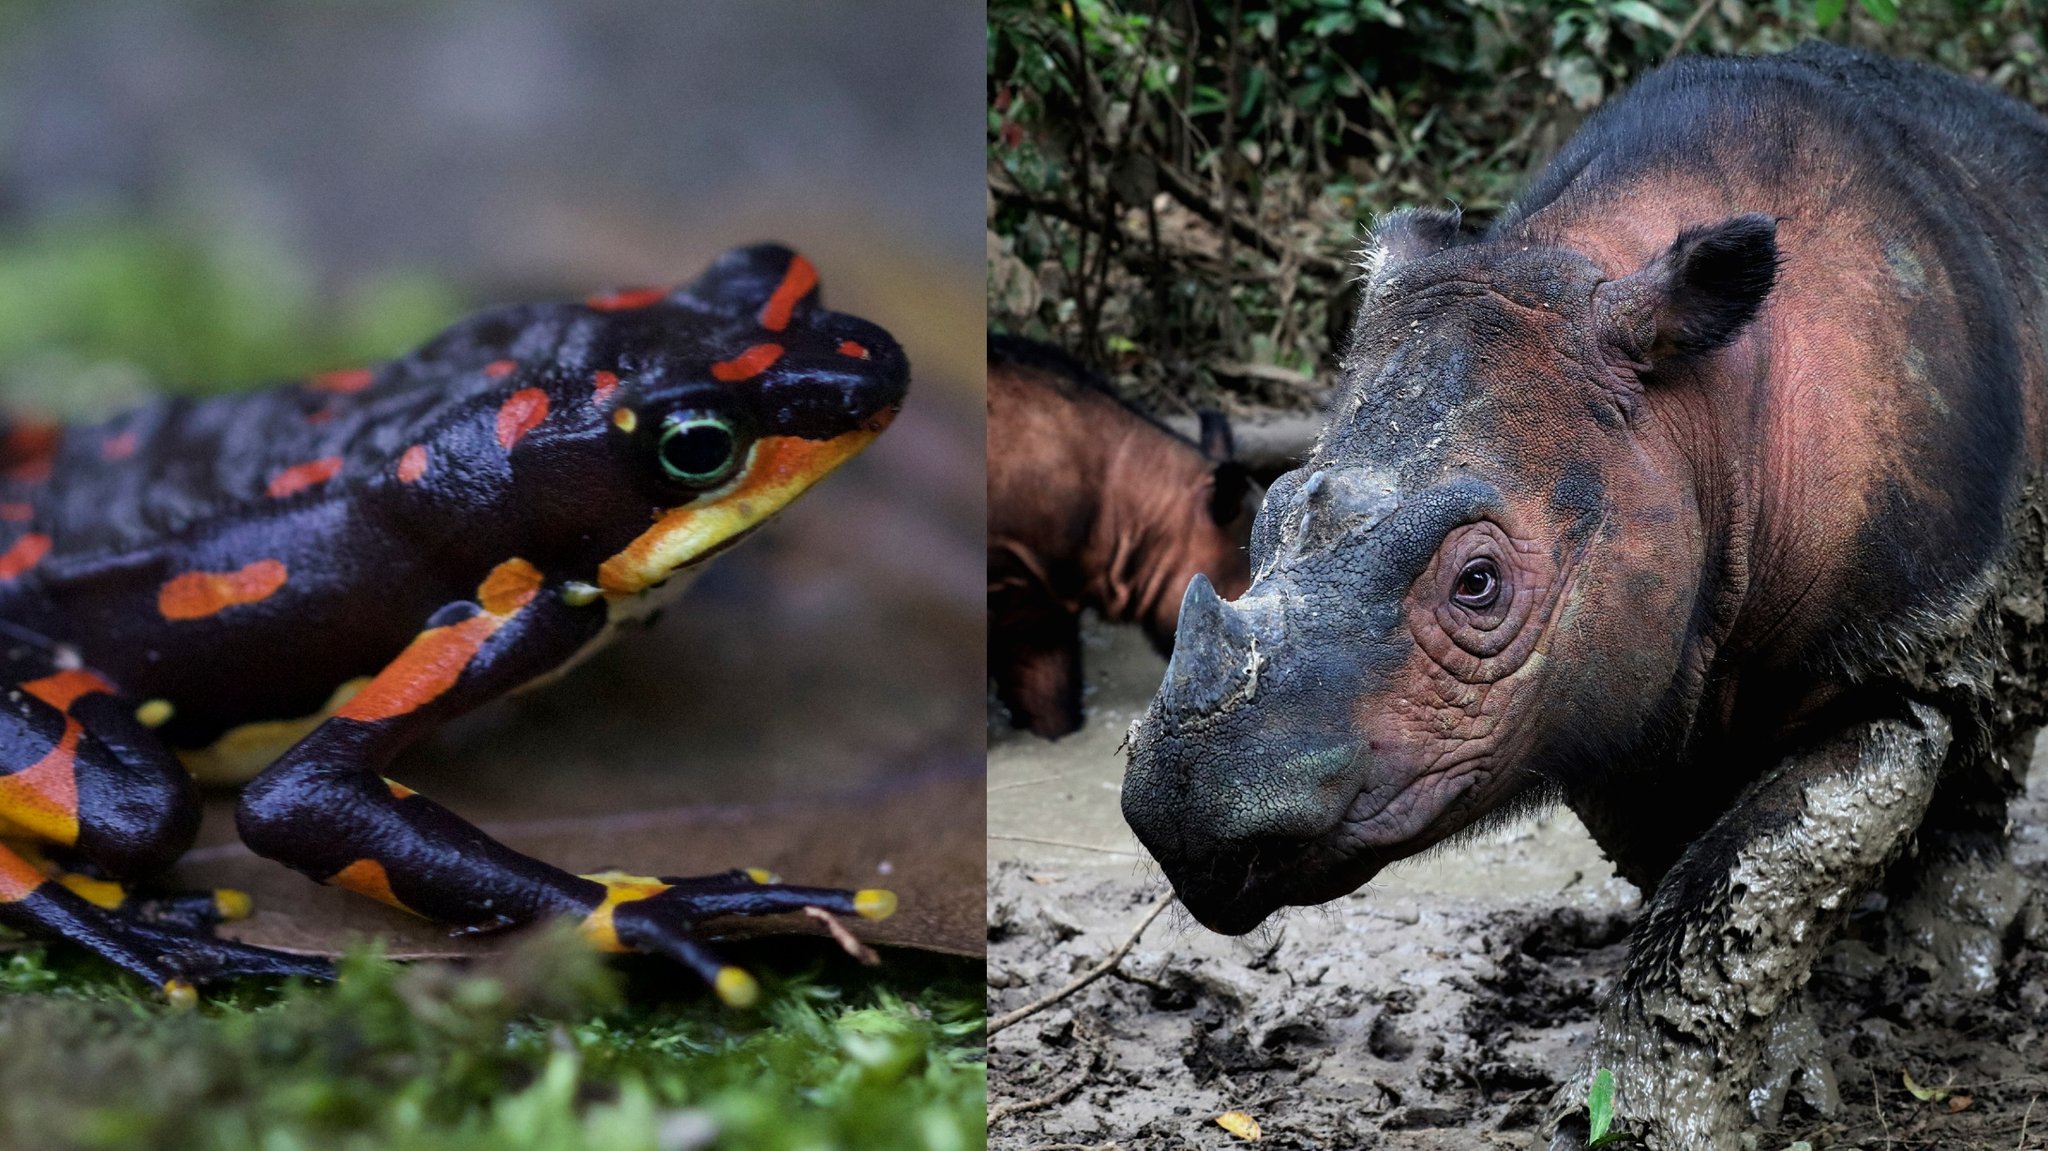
(196, 595)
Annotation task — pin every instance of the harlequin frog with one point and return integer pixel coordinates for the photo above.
(297, 583)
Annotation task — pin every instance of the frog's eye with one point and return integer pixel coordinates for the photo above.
(699, 450)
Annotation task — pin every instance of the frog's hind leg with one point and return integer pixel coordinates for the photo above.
(82, 777)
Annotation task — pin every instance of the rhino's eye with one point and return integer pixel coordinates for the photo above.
(1478, 585)
(698, 449)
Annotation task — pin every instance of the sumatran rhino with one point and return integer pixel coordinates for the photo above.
(1092, 505)
(1701, 492)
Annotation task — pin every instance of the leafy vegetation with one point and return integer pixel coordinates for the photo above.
(1176, 185)
(537, 1050)
(97, 313)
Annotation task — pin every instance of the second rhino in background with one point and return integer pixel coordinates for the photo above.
(1093, 504)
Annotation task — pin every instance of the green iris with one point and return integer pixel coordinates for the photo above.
(699, 449)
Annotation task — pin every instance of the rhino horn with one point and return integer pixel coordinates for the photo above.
(1214, 652)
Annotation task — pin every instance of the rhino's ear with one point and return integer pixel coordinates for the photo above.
(1695, 296)
(1216, 438)
(1405, 237)
(1226, 498)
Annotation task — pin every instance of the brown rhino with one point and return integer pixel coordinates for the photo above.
(1092, 505)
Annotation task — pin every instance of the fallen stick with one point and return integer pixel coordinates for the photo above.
(1002, 1111)
(1108, 964)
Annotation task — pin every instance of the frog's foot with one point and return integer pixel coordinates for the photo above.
(170, 955)
(199, 911)
(661, 915)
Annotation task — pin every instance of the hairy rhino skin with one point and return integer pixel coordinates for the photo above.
(1702, 492)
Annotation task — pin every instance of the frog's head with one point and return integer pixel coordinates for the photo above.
(728, 397)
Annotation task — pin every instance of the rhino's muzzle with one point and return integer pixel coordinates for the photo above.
(1243, 814)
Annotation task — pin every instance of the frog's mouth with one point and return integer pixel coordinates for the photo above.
(778, 470)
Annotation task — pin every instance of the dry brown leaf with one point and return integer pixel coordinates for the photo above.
(1239, 1124)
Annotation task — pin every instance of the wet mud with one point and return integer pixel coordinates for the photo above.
(1438, 1008)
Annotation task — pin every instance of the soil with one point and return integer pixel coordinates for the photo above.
(1438, 1008)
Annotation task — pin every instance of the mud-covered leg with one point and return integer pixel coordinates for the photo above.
(1707, 1020)
(80, 774)
(1035, 656)
(326, 810)
(1955, 897)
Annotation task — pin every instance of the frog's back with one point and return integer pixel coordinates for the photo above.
(119, 490)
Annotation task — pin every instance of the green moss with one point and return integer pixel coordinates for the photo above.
(539, 1049)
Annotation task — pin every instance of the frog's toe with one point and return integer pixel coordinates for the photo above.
(660, 916)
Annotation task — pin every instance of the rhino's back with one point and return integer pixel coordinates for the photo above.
(1898, 429)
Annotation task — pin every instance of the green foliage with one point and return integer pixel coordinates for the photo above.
(95, 314)
(1176, 186)
(536, 1050)
(1600, 1111)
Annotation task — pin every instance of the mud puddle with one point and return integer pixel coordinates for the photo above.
(1436, 1009)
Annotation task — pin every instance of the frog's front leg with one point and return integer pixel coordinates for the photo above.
(1707, 1027)
(326, 810)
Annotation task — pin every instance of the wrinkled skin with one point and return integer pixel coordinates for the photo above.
(1698, 493)
(1092, 505)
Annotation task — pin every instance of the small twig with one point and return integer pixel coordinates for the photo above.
(1690, 26)
(1017, 783)
(1877, 1098)
(1061, 843)
(1002, 1111)
(2022, 1144)
(840, 935)
(1108, 964)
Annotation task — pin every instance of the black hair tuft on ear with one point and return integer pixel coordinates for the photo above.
(1719, 275)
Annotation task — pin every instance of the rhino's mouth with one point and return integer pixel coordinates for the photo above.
(1233, 891)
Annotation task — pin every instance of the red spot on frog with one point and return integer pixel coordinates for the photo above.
(299, 477)
(413, 464)
(499, 369)
(603, 384)
(521, 413)
(28, 450)
(23, 554)
(122, 446)
(747, 364)
(626, 300)
(345, 382)
(797, 283)
(849, 348)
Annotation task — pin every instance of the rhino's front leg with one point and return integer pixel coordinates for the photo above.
(1708, 1025)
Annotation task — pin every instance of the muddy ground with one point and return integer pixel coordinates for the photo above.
(1436, 1009)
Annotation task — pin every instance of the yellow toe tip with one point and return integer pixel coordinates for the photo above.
(736, 988)
(874, 903)
(231, 905)
(181, 995)
(762, 875)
